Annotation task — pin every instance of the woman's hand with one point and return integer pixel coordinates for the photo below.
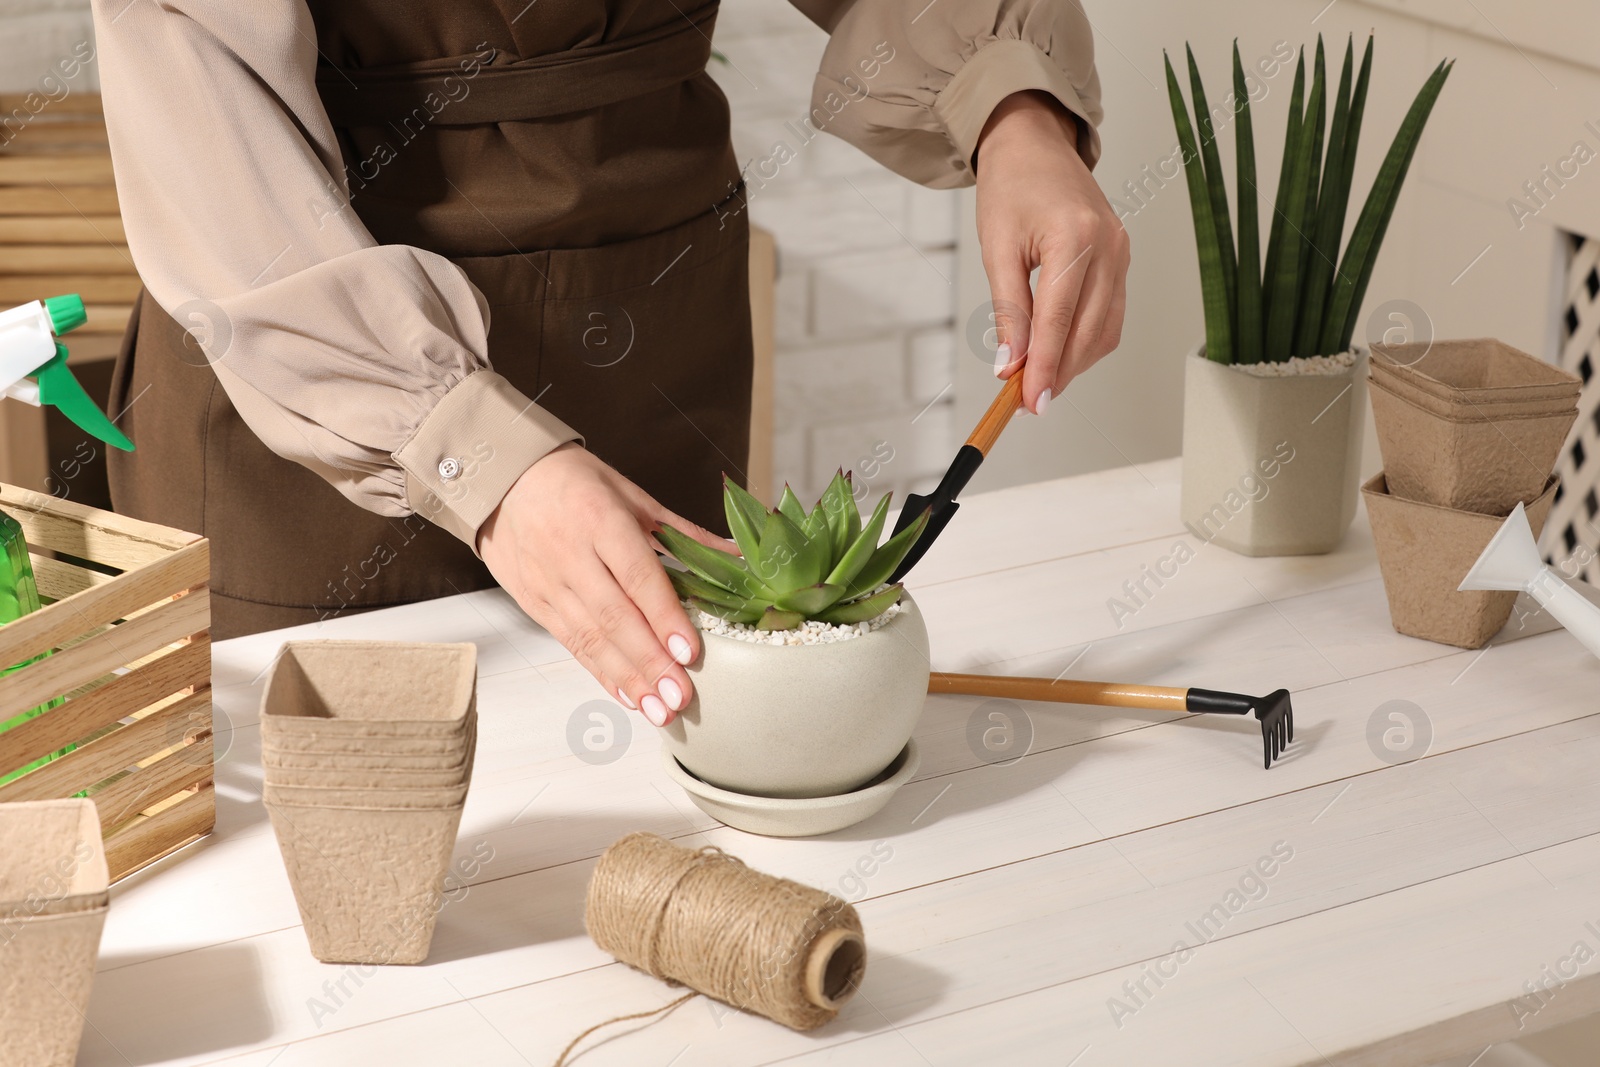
(1039, 207)
(571, 543)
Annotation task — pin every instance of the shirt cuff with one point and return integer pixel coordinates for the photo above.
(470, 450)
(993, 73)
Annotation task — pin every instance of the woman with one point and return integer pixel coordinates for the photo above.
(329, 202)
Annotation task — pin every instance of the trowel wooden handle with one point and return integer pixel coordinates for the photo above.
(1064, 690)
(999, 414)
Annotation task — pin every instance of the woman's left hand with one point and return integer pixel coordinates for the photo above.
(1038, 206)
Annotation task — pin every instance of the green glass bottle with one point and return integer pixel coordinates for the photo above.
(19, 594)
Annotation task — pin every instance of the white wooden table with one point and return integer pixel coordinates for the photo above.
(1021, 912)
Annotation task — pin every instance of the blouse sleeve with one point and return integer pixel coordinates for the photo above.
(366, 363)
(912, 82)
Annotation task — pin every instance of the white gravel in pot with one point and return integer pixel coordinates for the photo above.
(1297, 365)
(809, 632)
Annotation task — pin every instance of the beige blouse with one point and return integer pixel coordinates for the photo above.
(391, 340)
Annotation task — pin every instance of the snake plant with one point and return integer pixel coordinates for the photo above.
(824, 564)
(1298, 303)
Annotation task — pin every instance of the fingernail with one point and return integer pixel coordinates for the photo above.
(1043, 402)
(654, 710)
(1002, 359)
(670, 693)
(679, 647)
(630, 705)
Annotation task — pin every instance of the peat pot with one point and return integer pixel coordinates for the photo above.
(803, 720)
(1271, 464)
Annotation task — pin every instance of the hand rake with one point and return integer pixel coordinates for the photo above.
(1274, 710)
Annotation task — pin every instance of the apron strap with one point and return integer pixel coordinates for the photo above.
(545, 86)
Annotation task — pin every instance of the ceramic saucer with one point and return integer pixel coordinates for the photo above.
(786, 817)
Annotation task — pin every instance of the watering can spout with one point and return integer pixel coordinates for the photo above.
(1512, 559)
(1512, 562)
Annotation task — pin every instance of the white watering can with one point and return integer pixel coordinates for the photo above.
(1512, 562)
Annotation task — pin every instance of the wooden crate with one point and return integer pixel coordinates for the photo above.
(131, 653)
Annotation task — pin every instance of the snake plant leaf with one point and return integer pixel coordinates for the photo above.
(691, 586)
(1328, 224)
(1214, 297)
(1247, 314)
(863, 609)
(790, 505)
(838, 505)
(778, 619)
(748, 614)
(1308, 217)
(861, 549)
(720, 568)
(1285, 284)
(1215, 187)
(754, 511)
(1351, 286)
(1329, 331)
(1280, 207)
(789, 559)
(746, 531)
(887, 558)
(811, 599)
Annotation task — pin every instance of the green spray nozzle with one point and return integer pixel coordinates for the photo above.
(66, 312)
(59, 389)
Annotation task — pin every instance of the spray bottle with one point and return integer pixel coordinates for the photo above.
(33, 369)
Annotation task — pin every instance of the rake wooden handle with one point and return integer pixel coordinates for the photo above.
(999, 414)
(1064, 690)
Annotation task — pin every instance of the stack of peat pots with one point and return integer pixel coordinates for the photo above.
(366, 752)
(53, 901)
(1468, 430)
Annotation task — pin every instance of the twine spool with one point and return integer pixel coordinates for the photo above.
(701, 918)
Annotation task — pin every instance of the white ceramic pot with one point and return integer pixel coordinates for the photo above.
(1271, 465)
(803, 720)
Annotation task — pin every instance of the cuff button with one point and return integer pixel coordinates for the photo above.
(449, 468)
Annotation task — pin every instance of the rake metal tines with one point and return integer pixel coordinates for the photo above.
(1274, 710)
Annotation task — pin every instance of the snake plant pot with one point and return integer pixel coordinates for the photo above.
(1424, 551)
(53, 899)
(801, 721)
(1272, 461)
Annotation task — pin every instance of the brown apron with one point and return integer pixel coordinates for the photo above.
(582, 180)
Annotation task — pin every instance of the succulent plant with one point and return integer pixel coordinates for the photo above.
(1297, 303)
(823, 564)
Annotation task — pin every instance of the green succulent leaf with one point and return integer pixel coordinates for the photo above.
(816, 529)
(1277, 233)
(746, 532)
(839, 506)
(811, 599)
(790, 505)
(753, 510)
(748, 614)
(1215, 189)
(691, 586)
(716, 567)
(789, 559)
(777, 619)
(861, 549)
(865, 608)
(887, 557)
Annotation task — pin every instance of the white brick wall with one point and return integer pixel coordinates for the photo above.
(866, 266)
(34, 34)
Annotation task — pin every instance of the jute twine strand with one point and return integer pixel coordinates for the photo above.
(701, 918)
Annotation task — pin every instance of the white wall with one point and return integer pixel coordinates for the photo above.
(36, 33)
(1495, 125)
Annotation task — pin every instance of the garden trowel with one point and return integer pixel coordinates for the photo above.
(941, 503)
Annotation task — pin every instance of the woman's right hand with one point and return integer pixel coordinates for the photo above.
(571, 543)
